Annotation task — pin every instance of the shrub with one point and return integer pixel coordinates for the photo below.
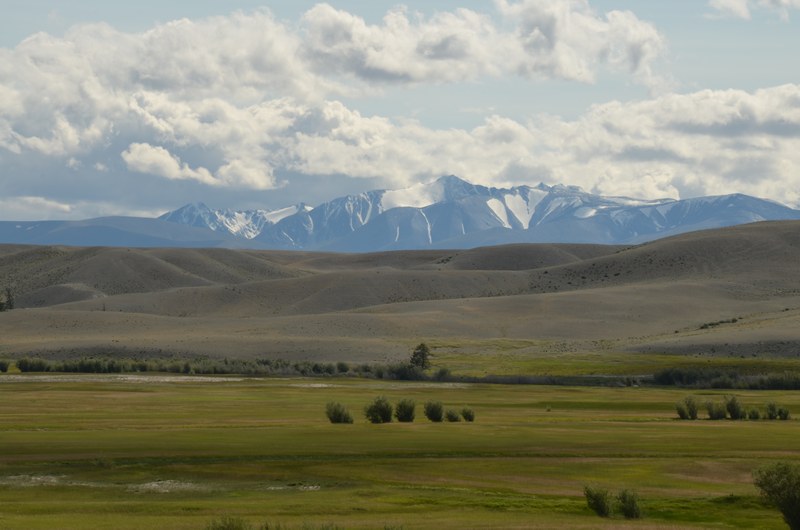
(734, 408)
(227, 522)
(753, 414)
(33, 365)
(4, 366)
(404, 412)
(772, 411)
(598, 500)
(716, 411)
(452, 415)
(783, 413)
(468, 414)
(628, 502)
(338, 413)
(442, 374)
(691, 407)
(379, 411)
(780, 484)
(434, 411)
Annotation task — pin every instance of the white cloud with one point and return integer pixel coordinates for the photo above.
(33, 208)
(145, 158)
(569, 39)
(261, 98)
(743, 8)
(545, 39)
(734, 8)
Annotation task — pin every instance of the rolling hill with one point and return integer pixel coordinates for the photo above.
(545, 298)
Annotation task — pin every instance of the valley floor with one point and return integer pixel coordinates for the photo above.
(150, 452)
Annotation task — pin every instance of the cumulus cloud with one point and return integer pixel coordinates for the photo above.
(743, 8)
(263, 99)
(155, 160)
(568, 39)
(549, 40)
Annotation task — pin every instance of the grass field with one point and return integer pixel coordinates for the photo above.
(151, 452)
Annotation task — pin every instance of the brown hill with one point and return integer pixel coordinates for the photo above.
(374, 307)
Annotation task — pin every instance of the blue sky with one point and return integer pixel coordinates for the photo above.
(112, 109)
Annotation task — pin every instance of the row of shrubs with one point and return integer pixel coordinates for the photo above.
(730, 407)
(600, 502)
(380, 410)
(280, 367)
(698, 377)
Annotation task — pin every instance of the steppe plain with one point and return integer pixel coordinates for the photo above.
(145, 451)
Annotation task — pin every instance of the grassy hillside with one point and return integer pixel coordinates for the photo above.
(653, 298)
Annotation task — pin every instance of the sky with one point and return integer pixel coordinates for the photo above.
(111, 108)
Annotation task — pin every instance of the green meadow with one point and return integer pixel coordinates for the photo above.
(154, 452)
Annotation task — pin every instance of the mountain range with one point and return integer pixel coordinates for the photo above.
(446, 213)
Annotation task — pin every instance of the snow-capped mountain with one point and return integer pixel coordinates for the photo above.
(450, 212)
(242, 223)
(446, 213)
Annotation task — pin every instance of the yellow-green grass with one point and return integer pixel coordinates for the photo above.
(152, 453)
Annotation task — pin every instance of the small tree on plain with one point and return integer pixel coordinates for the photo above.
(404, 411)
(780, 484)
(420, 357)
(434, 411)
(452, 415)
(468, 414)
(337, 413)
(628, 502)
(716, 411)
(734, 408)
(598, 500)
(379, 411)
(772, 411)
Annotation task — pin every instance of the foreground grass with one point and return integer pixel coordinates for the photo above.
(105, 453)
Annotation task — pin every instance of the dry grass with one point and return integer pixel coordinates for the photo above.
(376, 307)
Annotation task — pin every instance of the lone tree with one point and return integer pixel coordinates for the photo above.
(420, 357)
(780, 484)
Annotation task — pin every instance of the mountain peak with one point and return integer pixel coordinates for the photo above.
(452, 212)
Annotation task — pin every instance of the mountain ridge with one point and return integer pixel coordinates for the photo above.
(448, 212)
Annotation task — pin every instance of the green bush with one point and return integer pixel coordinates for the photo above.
(338, 413)
(379, 411)
(772, 411)
(468, 414)
(598, 500)
(452, 415)
(783, 413)
(628, 502)
(734, 408)
(716, 411)
(753, 414)
(226, 522)
(687, 409)
(4, 366)
(34, 365)
(404, 412)
(434, 411)
(342, 367)
(780, 484)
